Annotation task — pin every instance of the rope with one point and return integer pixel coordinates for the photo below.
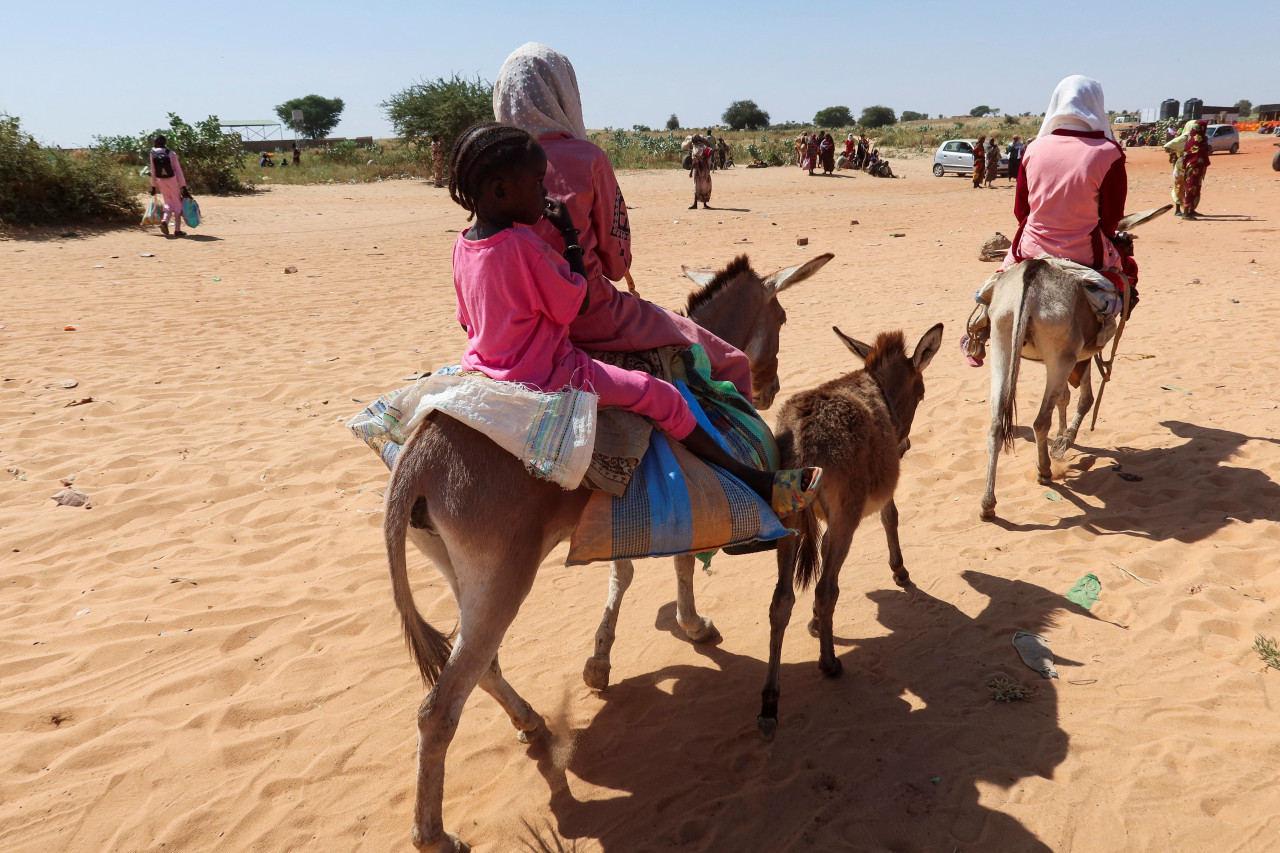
(1104, 368)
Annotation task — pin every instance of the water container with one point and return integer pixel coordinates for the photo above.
(1192, 107)
(1168, 108)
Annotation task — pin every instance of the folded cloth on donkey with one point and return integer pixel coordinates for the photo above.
(553, 434)
(679, 504)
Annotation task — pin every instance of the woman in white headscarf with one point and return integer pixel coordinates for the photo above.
(537, 90)
(1070, 198)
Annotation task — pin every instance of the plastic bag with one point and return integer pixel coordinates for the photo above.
(155, 211)
(190, 211)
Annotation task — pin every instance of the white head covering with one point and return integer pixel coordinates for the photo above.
(1076, 104)
(537, 91)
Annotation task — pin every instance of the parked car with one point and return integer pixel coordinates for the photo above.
(1224, 137)
(956, 156)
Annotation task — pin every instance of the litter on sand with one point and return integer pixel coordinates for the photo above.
(1175, 388)
(1034, 651)
(1086, 591)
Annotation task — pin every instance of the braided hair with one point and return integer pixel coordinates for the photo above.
(481, 151)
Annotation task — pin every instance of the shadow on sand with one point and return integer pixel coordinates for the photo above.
(890, 756)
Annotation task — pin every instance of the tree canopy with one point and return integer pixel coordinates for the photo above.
(833, 117)
(673, 123)
(983, 110)
(877, 116)
(745, 115)
(444, 106)
(911, 115)
(1244, 107)
(319, 115)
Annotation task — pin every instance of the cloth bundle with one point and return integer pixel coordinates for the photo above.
(155, 211)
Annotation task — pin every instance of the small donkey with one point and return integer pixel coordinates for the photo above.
(856, 428)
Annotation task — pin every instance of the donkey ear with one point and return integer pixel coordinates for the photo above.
(1133, 220)
(858, 348)
(783, 279)
(702, 279)
(927, 348)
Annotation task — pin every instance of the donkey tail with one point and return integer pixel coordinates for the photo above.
(1009, 393)
(807, 568)
(429, 647)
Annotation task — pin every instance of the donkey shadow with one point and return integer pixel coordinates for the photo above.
(1185, 493)
(890, 754)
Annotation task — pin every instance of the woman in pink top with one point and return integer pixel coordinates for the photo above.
(166, 175)
(517, 297)
(537, 90)
(1070, 198)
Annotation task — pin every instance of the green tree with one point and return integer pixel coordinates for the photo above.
(911, 115)
(983, 110)
(319, 115)
(1244, 107)
(745, 115)
(444, 106)
(673, 123)
(211, 159)
(833, 117)
(877, 116)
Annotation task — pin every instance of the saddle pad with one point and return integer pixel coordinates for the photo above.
(679, 504)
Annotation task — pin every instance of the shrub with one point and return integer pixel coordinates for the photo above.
(833, 117)
(911, 115)
(48, 186)
(319, 115)
(983, 110)
(210, 159)
(673, 123)
(446, 107)
(745, 115)
(877, 116)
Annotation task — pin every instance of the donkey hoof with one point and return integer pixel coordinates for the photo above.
(703, 631)
(832, 668)
(988, 512)
(768, 727)
(903, 579)
(1044, 479)
(1059, 448)
(448, 843)
(596, 673)
(813, 627)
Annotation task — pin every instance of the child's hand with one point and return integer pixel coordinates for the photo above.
(558, 214)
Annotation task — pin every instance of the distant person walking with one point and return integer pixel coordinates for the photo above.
(701, 172)
(827, 150)
(437, 160)
(166, 175)
(1192, 148)
(297, 155)
(1015, 157)
(811, 153)
(993, 160)
(979, 161)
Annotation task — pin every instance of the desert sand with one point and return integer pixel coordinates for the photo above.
(209, 657)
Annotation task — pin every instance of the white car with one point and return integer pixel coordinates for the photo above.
(1223, 137)
(956, 157)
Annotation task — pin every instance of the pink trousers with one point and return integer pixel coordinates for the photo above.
(619, 322)
(643, 394)
(171, 192)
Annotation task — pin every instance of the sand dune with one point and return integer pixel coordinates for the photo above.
(209, 657)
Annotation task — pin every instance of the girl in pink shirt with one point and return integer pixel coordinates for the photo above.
(517, 298)
(166, 175)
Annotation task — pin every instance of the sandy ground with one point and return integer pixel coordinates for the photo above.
(209, 657)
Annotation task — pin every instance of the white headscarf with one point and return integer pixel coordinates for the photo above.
(537, 91)
(1076, 104)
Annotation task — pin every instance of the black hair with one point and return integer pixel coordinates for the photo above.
(159, 141)
(483, 151)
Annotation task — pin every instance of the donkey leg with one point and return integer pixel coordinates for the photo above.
(1083, 404)
(835, 547)
(596, 671)
(487, 603)
(999, 361)
(699, 629)
(784, 597)
(889, 520)
(1056, 372)
(523, 717)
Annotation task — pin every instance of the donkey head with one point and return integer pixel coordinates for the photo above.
(742, 309)
(900, 377)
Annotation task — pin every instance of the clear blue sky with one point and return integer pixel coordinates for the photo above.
(77, 69)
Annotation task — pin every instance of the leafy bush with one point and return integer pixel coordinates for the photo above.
(911, 115)
(983, 110)
(877, 116)
(446, 107)
(745, 115)
(319, 115)
(48, 186)
(210, 159)
(833, 117)
(673, 123)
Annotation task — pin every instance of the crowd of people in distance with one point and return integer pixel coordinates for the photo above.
(814, 150)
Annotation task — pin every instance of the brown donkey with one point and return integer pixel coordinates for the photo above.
(856, 428)
(452, 487)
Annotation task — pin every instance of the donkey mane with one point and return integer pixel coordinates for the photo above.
(887, 346)
(706, 294)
